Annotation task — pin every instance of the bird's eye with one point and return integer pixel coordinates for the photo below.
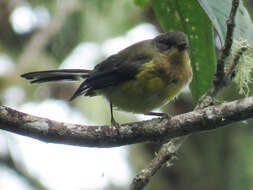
(163, 46)
(182, 46)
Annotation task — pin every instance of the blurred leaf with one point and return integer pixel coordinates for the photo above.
(10, 41)
(218, 12)
(106, 19)
(101, 6)
(140, 3)
(188, 16)
(249, 6)
(67, 38)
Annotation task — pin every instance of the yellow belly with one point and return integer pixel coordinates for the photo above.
(142, 95)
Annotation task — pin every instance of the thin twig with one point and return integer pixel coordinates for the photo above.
(228, 43)
(166, 152)
(229, 74)
(221, 80)
(207, 98)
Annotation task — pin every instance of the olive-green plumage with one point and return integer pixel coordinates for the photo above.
(138, 79)
(153, 86)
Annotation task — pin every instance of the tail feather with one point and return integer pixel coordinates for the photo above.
(78, 92)
(56, 75)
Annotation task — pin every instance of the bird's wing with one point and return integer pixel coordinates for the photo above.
(111, 72)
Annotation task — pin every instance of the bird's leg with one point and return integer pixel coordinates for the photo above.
(113, 122)
(159, 114)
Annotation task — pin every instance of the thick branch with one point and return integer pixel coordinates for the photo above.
(107, 136)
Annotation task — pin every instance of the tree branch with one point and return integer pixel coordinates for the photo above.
(156, 130)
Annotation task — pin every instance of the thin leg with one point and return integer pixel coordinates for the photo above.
(159, 114)
(113, 122)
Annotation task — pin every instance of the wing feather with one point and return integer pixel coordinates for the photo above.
(114, 70)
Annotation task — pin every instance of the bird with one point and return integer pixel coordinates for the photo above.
(137, 79)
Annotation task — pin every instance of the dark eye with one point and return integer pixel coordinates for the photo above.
(182, 46)
(163, 46)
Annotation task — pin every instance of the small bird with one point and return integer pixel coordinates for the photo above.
(138, 79)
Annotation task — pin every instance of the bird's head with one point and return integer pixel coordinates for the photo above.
(175, 39)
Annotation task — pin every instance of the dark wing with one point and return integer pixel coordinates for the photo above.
(56, 75)
(111, 72)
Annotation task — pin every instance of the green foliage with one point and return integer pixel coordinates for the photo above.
(218, 12)
(188, 16)
(107, 19)
(140, 3)
(66, 38)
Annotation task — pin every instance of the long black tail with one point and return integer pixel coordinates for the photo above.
(56, 75)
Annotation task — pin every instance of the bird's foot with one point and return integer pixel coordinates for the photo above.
(115, 124)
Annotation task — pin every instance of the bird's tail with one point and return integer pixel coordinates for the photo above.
(56, 75)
